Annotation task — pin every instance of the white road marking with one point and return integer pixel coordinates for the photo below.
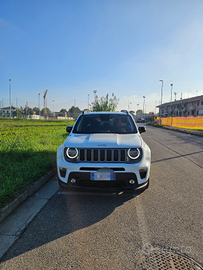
(145, 235)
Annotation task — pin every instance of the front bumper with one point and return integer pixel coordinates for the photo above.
(82, 181)
(127, 176)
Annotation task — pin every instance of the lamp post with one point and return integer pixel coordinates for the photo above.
(10, 95)
(161, 96)
(94, 91)
(143, 106)
(129, 105)
(137, 110)
(53, 108)
(175, 93)
(39, 102)
(171, 97)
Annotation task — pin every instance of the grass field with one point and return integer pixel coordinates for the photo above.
(27, 152)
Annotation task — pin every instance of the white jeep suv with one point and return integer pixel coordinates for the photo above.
(104, 150)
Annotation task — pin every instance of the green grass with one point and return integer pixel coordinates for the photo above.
(27, 152)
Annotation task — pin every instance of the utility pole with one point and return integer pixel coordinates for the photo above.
(26, 109)
(2, 105)
(94, 91)
(45, 93)
(39, 102)
(10, 95)
(161, 96)
(129, 105)
(175, 93)
(171, 98)
(143, 107)
(53, 108)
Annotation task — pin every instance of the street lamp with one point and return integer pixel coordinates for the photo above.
(94, 91)
(53, 108)
(129, 105)
(10, 95)
(39, 102)
(175, 93)
(143, 106)
(171, 97)
(161, 95)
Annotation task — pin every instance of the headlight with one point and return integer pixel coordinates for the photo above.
(133, 153)
(72, 152)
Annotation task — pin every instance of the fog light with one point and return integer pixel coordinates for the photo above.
(132, 181)
(73, 181)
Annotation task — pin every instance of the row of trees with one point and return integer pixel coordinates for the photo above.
(36, 111)
(99, 104)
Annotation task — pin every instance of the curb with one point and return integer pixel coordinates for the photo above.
(183, 130)
(4, 212)
(187, 131)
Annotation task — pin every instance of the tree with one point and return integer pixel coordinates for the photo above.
(105, 104)
(139, 112)
(17, 113)
(36, 110)
(63, 110)
(74, 112)
(28, 111)
(47, 111)
(74, 109)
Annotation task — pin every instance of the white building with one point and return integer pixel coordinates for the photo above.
(183, 107)
(8, 111)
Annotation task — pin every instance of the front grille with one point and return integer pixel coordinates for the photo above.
(97, 168)
(102, 155)
(97, 155)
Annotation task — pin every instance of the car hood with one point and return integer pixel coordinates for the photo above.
(104, 140)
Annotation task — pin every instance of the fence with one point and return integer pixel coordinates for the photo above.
(189, 122)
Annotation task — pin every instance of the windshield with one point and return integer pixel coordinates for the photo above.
(105, 123)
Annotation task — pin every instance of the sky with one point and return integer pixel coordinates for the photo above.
(120, 47)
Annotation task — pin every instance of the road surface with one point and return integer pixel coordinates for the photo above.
(89, 230)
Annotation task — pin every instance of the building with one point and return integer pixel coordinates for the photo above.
(5, 112)
(183, 107)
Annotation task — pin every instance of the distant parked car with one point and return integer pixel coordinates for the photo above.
(104, 150)
(140, 120)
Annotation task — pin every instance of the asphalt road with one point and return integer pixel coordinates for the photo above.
(89, 230)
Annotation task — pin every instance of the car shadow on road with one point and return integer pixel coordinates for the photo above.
(65, 213)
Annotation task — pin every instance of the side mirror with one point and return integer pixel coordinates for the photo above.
(142, 129)
(69, 128)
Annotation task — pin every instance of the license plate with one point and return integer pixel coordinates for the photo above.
(102, 176)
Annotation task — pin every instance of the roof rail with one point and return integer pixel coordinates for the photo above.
(85, 111)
